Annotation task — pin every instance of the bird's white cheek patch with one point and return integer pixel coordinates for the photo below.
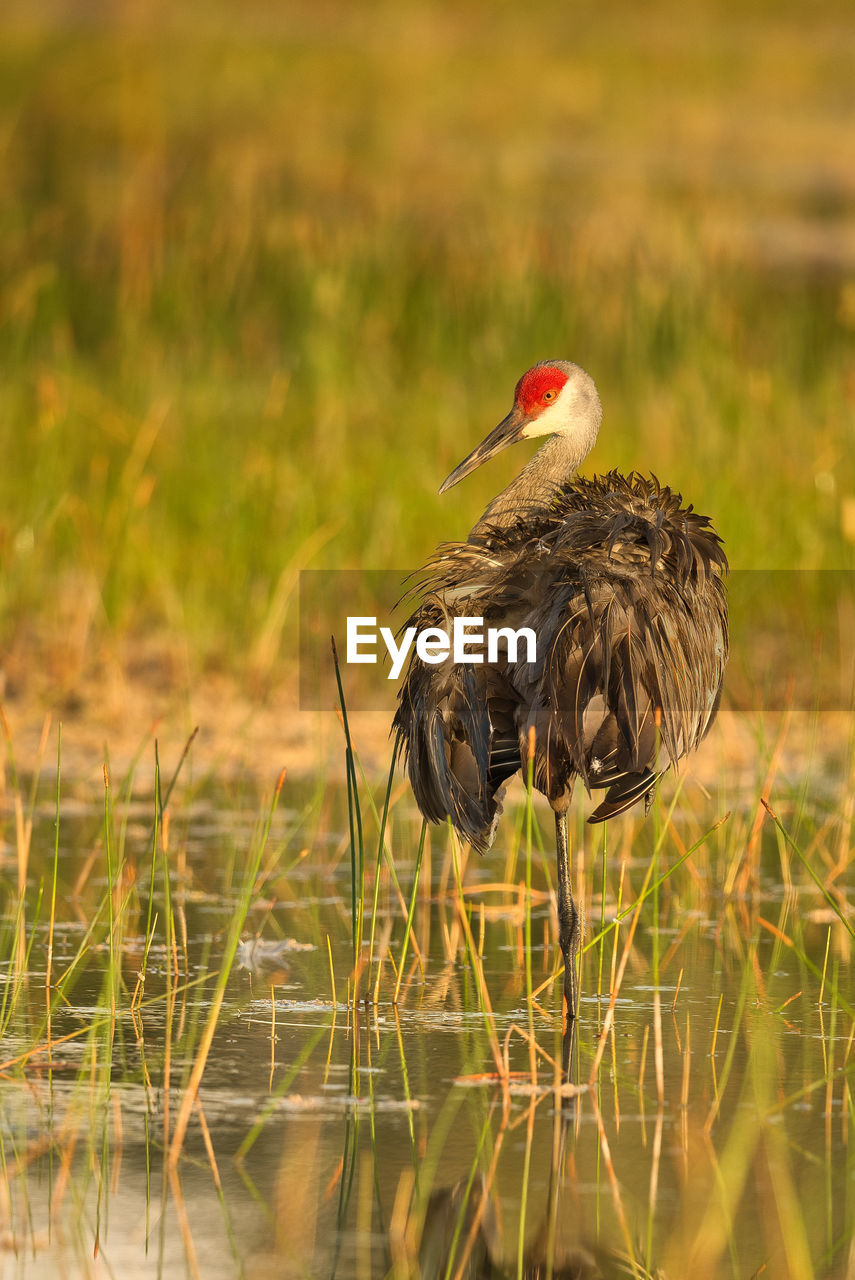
(553, 419)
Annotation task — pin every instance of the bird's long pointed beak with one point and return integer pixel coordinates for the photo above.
(509, 430)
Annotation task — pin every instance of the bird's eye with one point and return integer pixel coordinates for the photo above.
(549, 395)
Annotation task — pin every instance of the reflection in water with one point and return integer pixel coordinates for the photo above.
(460, 1236)
(459, 1221)
(269, 958)
(459, 1231)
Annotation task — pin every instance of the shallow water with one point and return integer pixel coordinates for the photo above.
(710, 1134)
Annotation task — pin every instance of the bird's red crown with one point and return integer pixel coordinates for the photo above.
(539, 387)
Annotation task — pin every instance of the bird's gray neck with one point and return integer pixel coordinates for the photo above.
(536, 485)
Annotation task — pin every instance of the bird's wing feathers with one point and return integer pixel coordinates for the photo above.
(624, 590)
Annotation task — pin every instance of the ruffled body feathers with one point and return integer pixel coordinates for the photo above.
(624, 590)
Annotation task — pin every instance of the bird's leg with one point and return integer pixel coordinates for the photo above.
(568, 922)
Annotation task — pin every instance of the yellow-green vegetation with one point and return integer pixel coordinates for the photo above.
(269, 268)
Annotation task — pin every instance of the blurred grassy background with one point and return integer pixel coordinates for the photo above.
(270, 270)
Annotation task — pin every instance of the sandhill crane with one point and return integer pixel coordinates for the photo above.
(623, 588)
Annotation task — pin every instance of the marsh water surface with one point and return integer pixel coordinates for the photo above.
(709, 1132)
